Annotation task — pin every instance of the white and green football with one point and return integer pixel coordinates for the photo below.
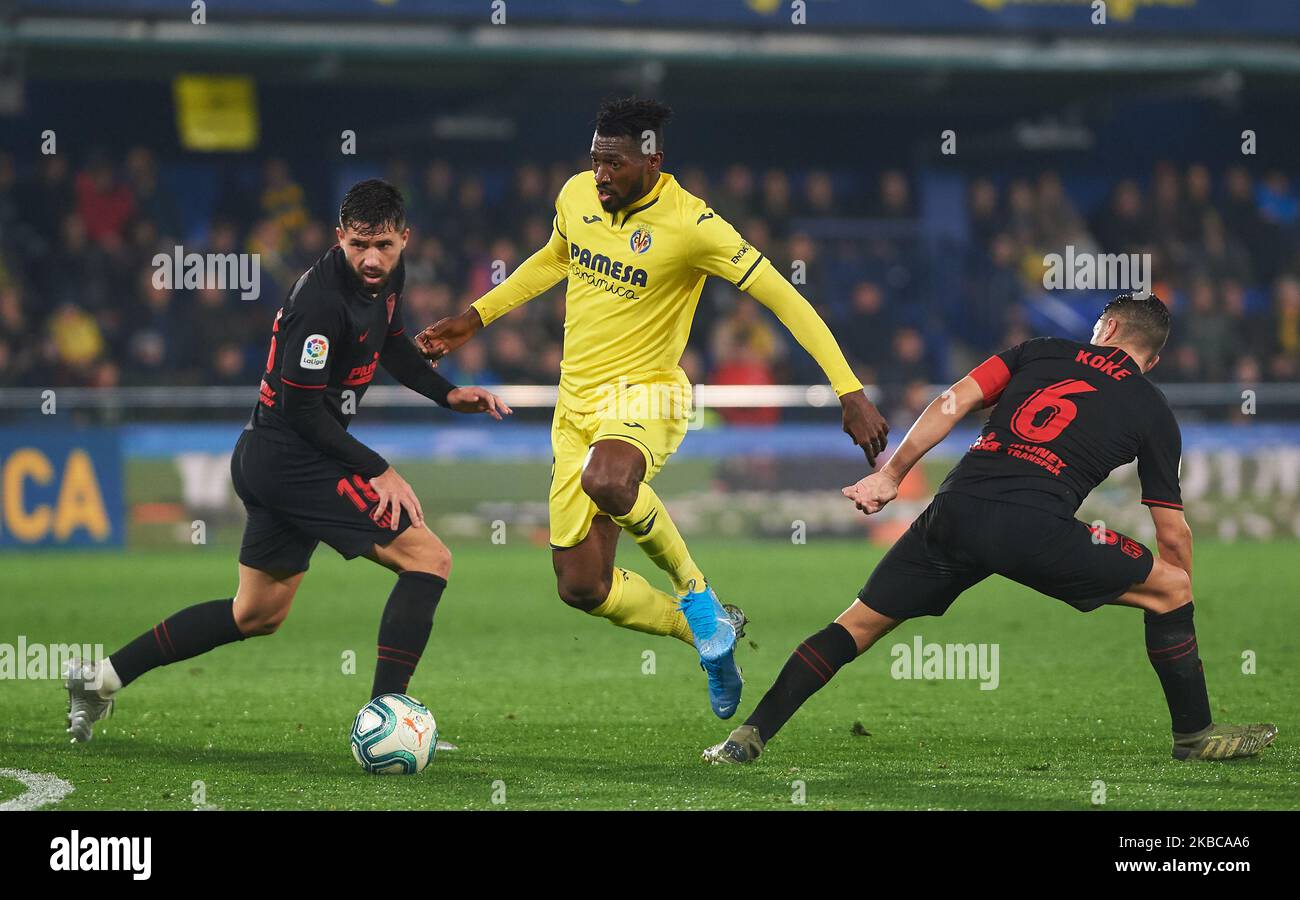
(394, 735)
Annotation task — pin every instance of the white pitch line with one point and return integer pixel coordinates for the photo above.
(42, 790)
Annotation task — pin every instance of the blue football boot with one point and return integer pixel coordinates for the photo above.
(715, 629)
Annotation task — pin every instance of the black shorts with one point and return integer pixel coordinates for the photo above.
(960, 540)
(297, 497)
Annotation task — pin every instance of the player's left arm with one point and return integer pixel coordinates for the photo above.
(1158, 462)
(718, 249)
(1173, 537)
(872, 493)
(405, 363)
(862, 421)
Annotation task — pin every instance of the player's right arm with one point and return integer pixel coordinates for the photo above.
(872, 493)
(536, 275)
(982, 387)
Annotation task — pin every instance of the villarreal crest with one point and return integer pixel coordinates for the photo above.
(640, 240)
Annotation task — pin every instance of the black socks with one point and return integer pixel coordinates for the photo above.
(403, 633)
(194, 630)
(811, 666)
(1171, 647)
(404, 630)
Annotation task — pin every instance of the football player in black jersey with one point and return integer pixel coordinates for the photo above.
(1067, 414)
(304, 479)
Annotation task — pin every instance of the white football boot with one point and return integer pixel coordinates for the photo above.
(85, 705)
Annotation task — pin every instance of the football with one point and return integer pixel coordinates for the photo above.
(394, 735)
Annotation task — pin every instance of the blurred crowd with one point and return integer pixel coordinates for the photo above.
(79, 303)
(1225, 254)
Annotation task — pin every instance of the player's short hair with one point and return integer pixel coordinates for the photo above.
(1143, 317)
(372, 206)
(633, 117)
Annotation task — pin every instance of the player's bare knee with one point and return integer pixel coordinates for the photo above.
(583, 593)
(1179, 590)
(865, 625)
(263, 601)
(415, 550)
(428, 554)
(260, 617)
(1166, 589)
(613, 492)
(272, 620)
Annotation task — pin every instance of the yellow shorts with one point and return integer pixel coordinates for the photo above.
(633, 421)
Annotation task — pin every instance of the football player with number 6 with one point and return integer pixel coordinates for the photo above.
(1067, 413)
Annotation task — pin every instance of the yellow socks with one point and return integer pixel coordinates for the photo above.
(633, 603)
(649, 523)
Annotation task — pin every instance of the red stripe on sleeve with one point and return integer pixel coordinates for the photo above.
(1162, 503)
(397, 332)
(308, 387)
(992, 376)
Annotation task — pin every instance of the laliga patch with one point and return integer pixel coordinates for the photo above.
(315, 350)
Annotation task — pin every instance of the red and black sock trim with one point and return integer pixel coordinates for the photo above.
(808, 653)
(396, 654)
(1171, 647)
(811, 666)
(1172, 653)
(404, 630)
(194, 630)
(400, 658)
(164, 641)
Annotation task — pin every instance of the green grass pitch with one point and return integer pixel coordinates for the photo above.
(553, 709)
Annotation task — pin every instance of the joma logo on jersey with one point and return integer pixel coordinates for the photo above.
(602, 264)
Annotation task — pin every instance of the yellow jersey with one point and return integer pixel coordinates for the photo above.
(634, 280)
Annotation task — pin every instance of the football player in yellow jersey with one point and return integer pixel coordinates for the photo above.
(636, 248)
